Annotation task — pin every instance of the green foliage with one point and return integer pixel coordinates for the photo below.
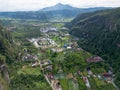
(75, 61)
(6, 45)
(64, 84)
(26, 31)
(3, 84)
(27, 78)
(28, 82)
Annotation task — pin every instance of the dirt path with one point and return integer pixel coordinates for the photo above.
(115, 84)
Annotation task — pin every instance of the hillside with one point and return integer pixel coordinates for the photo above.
(99, 33)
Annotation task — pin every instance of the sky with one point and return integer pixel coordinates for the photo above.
(34, 5)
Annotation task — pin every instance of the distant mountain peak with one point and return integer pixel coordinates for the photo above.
(58, 6)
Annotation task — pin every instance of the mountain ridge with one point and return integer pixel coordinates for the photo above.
(59, 11)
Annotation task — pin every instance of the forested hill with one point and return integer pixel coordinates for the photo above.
(99, 33)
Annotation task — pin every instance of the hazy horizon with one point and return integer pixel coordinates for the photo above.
(34, 5)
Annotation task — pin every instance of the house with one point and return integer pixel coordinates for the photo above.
(107, 77)
(88, 68)
(69, 47)
(79, 49)
(35, 64)
(44, 63)
(99, 77)
(90, 72)
(94, 75)
(86, 82)
(65, 46)
(79, 73)
(85, 79)
(70, 76)
(49, 68)
(50, 76)
(94, 59)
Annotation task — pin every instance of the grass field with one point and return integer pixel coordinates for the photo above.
(29, 70)
(72, 85)
(64, 84)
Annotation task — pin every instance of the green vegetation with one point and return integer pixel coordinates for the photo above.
(64, 84)
(3, 84)
(99, 33)
(27, 78)
(33, 68)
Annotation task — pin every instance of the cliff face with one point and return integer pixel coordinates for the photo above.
(6, 57)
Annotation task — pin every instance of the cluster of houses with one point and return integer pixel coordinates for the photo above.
(43, 42)
(46, 66)
(11, 29)
(107, 76)
(29, 57)
(56, 49)
(67, 46)
(49, 29)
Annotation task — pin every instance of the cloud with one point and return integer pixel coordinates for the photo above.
(27, 5)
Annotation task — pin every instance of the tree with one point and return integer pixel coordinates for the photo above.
(2, 59)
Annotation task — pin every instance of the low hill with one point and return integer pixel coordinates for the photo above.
(99, 33)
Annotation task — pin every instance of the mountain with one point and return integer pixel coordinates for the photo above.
(99, 33)
(59, 6)
(58, 12)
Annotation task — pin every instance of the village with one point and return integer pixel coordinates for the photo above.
(56, 41)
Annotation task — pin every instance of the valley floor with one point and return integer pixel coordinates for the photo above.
(51, 59)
